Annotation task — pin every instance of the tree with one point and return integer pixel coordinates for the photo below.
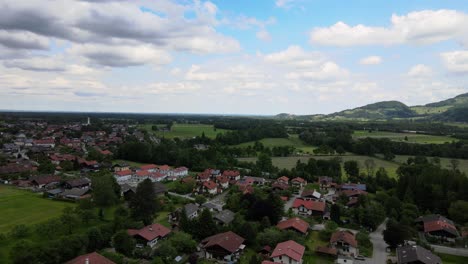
(95, 239)
(19, 231)
(264, 163)
(143, 205)
(458, 211)
(335, 213)
(167, 251)
(24, 252)
(205, 225)
(103, 190)
(200, 199)
(183, 242)
(454, 163)
(370, 166)
(123, 243)
(69, 219)
(352, 168)
(395, 234)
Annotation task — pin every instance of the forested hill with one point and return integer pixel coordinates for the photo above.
(450, 110)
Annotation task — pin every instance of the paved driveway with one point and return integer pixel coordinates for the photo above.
(380, 254)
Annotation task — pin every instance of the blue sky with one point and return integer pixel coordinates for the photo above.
(230, 57)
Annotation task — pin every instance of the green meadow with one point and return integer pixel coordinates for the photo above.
(293, 140)
(412, 137)
(186, 131)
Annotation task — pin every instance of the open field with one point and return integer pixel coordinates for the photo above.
(412, 138)
(186, 131)
(24, 207)
(444, 162)
(290, 162)
(451, 259)
(293, 140)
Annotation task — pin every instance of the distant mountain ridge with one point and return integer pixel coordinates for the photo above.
(450, 110)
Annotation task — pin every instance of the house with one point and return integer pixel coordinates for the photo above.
(46, 143)
(127, 191)
(210, 187)
(295, 224)
(257, 180)
(203, 177)
(413, 254)
(289, 252)
(159, 188)
(283, 179)
(212, 207)
(54, 193)
(77, 183)
(43, 181)
(149, 235)
(179, 172)
(191, 210)
(309, 207)
(149, 168)
(279, 186)
(311, 195)
(328, 251)
(164, 169)
(223, 181)
(120, 167)
(298, 182)
(233, 175)
(76, 194)
(437, 225)
(91, 258)
(345, 242)
(326, 182)
(352, 186)
(224, 217)
(344, 260)
(224, 246)
(123, 176)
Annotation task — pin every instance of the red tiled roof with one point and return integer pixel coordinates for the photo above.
(349, 193)
(280, 185)
(148, 167)
(295, 223)
(284, 198)
(230, 241)
(289, 248)
(231, 173)
(164, 167)
(106, 152)
(203, 176)
(91, 258)
(150, 232)
(345, 236)
(209, 185)
(327, 250)
(439, 225)
(179, 169)
(124, 173)
(311, 205)
(44, 141)
(298, 179)
(283, 178)
(222, 179)
(143, 173)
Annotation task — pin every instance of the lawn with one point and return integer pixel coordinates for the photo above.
(290, 162)
(186, 131)
(412, 137)
(451, 259)
(161, 218)
(293, 140)
(24, 207)
(312, 242)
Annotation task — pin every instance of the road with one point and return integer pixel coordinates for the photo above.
(451, 251)
(380, 247)
(181, 195)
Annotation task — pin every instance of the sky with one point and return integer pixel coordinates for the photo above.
(259, 57)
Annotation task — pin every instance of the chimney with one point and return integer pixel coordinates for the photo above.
(151, 228)
(87, 261)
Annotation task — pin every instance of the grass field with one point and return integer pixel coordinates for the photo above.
(131, 163)
(186, 131)
(290, 162)
(444, 162)
(24, 207)
(412, 138)
(293, 140)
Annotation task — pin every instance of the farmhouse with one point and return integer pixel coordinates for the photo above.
(283, 180)
(123, 176)
(438, 225)
(295, 224)
(298, 182)
(43, 181)
(224, 246)
(233, 175)
(149, 235)
(76, 194)
(288, 252)
(224, 217)
(311, 195)
(191, 210)
(345, 242)
(309, 207)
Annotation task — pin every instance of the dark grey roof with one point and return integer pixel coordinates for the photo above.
(55, 191)
(125, 188)
(190, 209)
(410, 254)
(159, 188)
(225, 216)
(75, 192)
(210, 205)
(78, 182)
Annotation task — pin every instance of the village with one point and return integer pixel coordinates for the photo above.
(59, 161)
